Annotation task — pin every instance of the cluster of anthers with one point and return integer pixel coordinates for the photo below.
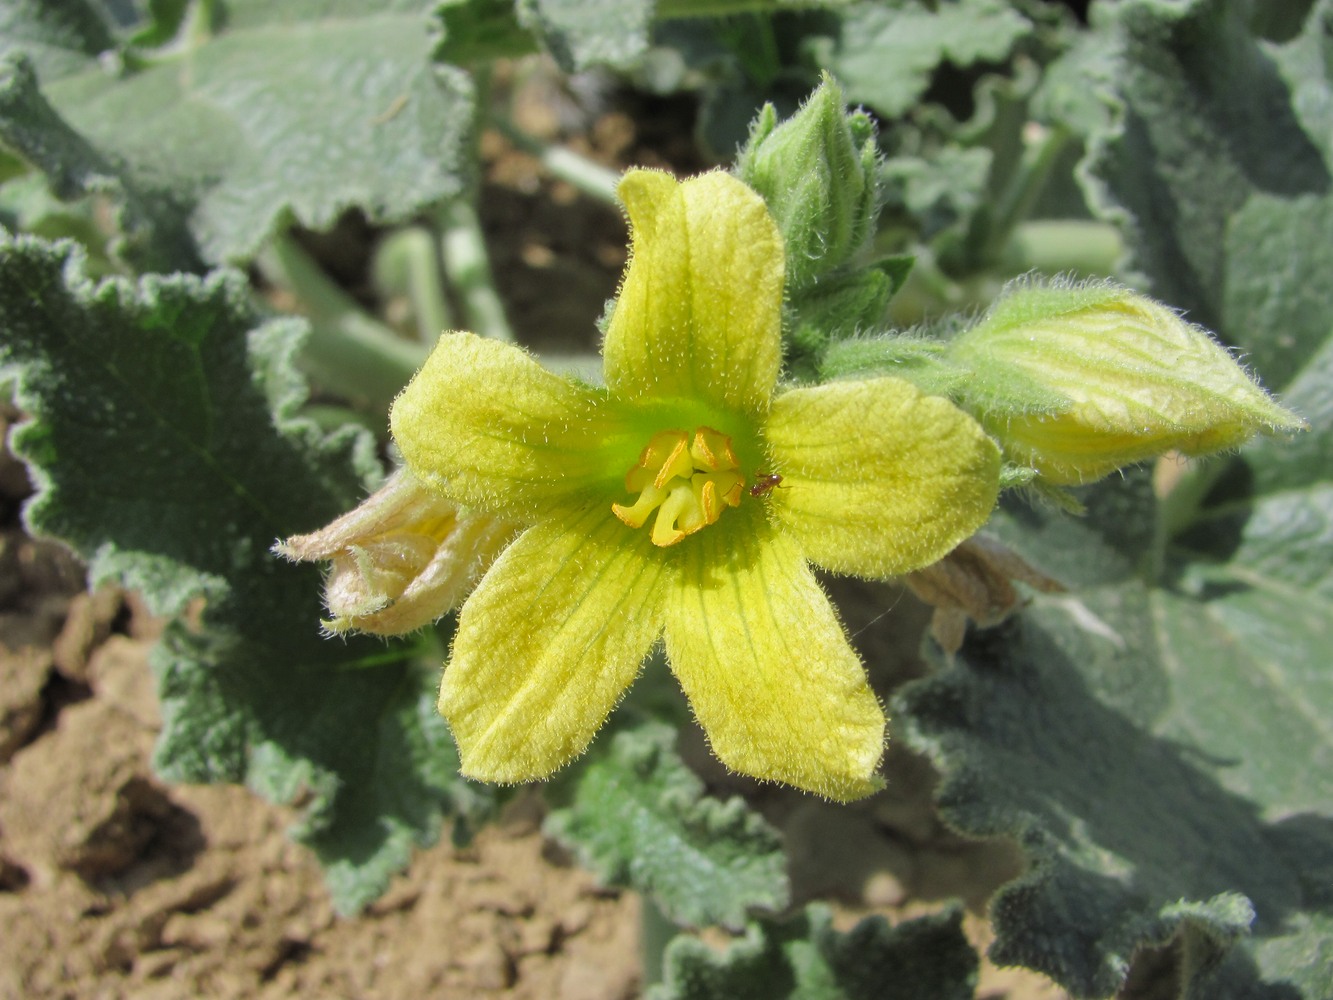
(688, 479)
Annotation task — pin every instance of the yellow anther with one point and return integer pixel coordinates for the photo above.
(712, 450)
(689, 479)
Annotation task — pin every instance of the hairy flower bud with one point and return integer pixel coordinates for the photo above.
(1080, 380)
(402, 559)
(817, 172)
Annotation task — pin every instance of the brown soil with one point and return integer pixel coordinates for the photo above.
(113, 884)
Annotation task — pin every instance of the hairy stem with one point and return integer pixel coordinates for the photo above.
(408, 263)
(468, 269)
(349, 352)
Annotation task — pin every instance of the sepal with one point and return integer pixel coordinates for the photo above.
(845, 304)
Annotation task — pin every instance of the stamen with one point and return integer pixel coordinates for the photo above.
(689, 479)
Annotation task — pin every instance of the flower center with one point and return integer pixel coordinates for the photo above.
(687, 478)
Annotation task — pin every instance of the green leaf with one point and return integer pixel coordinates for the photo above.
(477, 31)
(167, 454)
(167, 22)
(884, 54)
(61, 38)
(28, 205)
(948, 184)
(1306, 459)
(640, 818)
(806, 959)
(1209, 122)
(584, 33)
(301, 110)
(153, 234)
(1112, 542)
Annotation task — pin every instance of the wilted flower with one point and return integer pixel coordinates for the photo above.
(974, 582)
(402, 559)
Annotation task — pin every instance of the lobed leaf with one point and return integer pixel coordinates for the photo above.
(804, 958)
(884, 54)
(166, 451)
(640, 818)
(302, 110)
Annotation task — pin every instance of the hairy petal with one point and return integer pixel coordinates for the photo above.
(548, 642)
(767, 667)
(484, 423)
(877, 478)
(699, 313)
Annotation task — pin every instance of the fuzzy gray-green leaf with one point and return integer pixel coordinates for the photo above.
(166, 452)
(1207, 123)
(884, 53)
(640, 818)
(804, 958)
(303, 111)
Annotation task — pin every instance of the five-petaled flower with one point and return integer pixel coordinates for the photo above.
(640, 523)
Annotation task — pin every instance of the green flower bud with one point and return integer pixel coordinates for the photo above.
(817, 172)
(1080, 380)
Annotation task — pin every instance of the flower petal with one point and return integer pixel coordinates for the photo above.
(766, 665)
(877, 478)
(547, 643)
(484, 423)
(699, 313)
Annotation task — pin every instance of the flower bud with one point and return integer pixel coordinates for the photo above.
(402, 559)
(817, 172)
(1080, 380)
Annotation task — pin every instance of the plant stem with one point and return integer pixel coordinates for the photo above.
(349, 352)
(1017, 200)
(468, 269)
(591, 178)
(1080, 245)
(655, 933)
(1179, 506)
(408, 262)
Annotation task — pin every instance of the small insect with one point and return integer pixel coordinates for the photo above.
(764, 483)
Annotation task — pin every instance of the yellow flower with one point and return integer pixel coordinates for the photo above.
(653, 509)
